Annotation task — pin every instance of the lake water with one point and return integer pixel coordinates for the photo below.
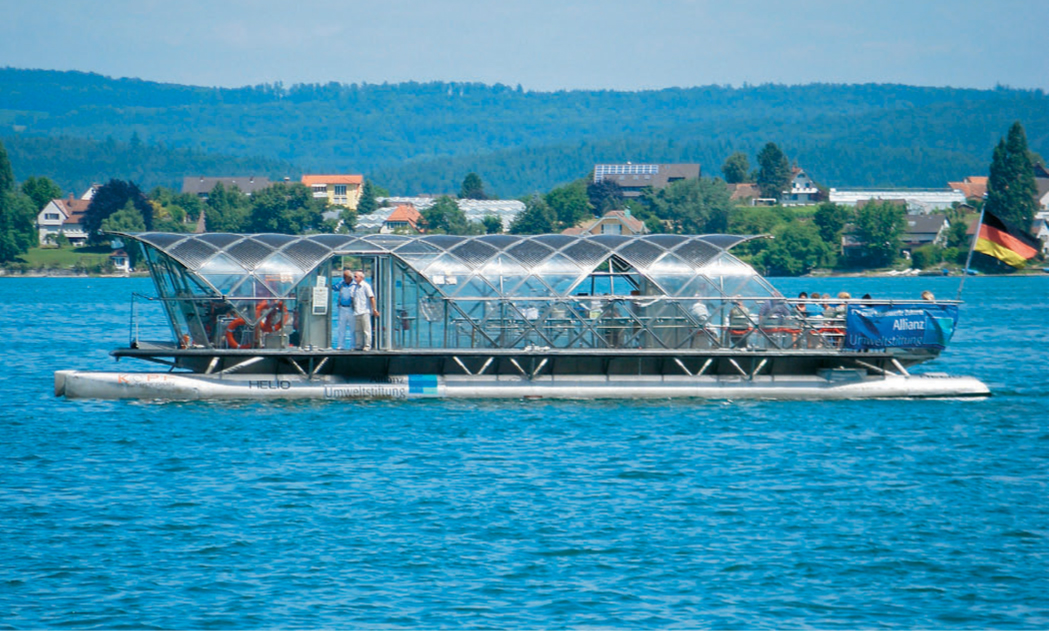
(537, 514)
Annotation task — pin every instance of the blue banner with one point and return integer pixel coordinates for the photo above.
(918, 325)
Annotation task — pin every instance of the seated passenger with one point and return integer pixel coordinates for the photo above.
(739, 323)
(814, 309)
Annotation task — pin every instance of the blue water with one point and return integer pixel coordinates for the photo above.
(902, 514)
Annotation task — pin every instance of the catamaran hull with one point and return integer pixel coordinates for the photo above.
(190, 386)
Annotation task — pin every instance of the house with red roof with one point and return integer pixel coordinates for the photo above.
(973, 187)
(404, 219)
(63, 216)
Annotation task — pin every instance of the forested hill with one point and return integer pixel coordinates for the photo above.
(414, 137)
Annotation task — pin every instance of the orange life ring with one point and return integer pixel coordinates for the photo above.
(274, 317)
(231, 340)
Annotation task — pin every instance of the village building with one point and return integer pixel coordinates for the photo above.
(121, 261)
(1041, 182)
(404, 219)
(634, 178)
(918, 200)
(802, 191)
(337, 190)
(64, 216)
(973, 187)
(612, 222)
(924, 230)
(745, 193)
(474, 209)
(202, 186)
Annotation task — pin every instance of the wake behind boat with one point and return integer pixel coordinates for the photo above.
(604, 316)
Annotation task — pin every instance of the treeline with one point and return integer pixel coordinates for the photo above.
(420, 137)
(77, 163)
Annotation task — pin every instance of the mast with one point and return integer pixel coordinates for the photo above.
(972, 246)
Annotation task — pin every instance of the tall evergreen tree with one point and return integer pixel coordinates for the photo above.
(1011, 188)
(473, 187)
(773, 171)
(367, 205)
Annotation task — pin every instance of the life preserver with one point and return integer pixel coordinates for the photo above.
(271, 318)
(231, 340)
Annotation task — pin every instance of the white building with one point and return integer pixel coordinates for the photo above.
(919, 201)
(802, 190)
(63, 216)
(474, 209)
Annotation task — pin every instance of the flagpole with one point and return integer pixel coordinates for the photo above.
(972, 246)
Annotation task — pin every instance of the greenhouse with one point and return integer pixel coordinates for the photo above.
(452, 292)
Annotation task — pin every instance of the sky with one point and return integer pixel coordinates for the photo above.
(538, 44)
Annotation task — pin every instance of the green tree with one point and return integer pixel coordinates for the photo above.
(41, 190)
(757, 220)
(831, 219)
(127, 219)
(773, 171)
(111, 197)
(7, 175)
(1011, 188)
(227, 209)
(349, 219)
(284, 209)
(181, 207)
(492, 224)
(445, 217)
(367, 204)
(604, 196)
(537, 218)
(736, 168)
(472, 188)
(878, 228)
(693, 206)
(570, 203)
(957, 236)
(17, 215)
(797, 249)
(926, 256)
(17, 225)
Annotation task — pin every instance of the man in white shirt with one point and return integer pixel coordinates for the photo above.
(363, 298)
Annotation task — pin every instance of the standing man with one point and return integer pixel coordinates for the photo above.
(363, 298)
(345, 290)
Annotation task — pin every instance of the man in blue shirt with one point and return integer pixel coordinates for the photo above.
(344, 291)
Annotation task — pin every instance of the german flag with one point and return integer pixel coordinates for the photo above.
(1004, 242)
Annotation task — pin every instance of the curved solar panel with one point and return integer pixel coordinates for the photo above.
(497, 258)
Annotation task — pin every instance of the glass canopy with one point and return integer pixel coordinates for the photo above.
(443, 291)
